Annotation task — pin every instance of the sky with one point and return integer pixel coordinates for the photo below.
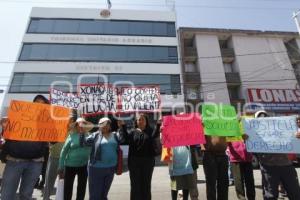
(274, 15)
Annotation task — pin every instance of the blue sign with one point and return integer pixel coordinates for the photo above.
(272, 135)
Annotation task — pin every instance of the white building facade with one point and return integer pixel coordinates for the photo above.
(241, 66)
(63, 45)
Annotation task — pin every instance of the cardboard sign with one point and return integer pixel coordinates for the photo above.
(143, 99)
(60, 98)
(29, 121)
(97, 98)
(182, 130)
(220, 120)
(239, 138)
(272, 135)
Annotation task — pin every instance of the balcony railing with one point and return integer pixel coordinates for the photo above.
(233, 78)
(192, 77)
(227, 55)
(294, 56)
(190, 54)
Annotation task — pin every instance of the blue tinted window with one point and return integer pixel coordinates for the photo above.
(91, 27)
(60, 52)
(140, 28)
(115, 28)
(41, 82)
(102, 27)
(86, 53)
(114, 53)
(160, 29)
(171, 29)
(142, 54)
(99, 53)
(45, 26)
(66, 26)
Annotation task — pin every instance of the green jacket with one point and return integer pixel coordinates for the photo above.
(72, 154)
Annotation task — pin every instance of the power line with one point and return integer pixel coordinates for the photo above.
(152, 60)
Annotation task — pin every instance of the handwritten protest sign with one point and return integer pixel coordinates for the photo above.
(61, 98)
(36, 122)
(182, 130)
(272, 135)
(144, 99)
(97, 98)
(220, 120)
(239, 138)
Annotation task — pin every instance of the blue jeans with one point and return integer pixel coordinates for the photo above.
(100, 180)
(27, 172)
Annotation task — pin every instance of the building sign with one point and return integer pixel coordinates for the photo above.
(104, 39)
(105, 13)
(274, 99)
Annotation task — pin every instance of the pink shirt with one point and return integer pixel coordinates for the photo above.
(238, 152)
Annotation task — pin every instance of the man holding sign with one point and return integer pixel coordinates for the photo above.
(24, 163)
(274, 163)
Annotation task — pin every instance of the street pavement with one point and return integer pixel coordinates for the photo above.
(120, 189)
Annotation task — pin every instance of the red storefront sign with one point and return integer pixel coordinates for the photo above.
(275, 99)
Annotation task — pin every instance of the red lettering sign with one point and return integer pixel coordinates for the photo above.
(274, 95)
(182, 130)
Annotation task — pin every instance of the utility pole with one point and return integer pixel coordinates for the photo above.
(295, 17)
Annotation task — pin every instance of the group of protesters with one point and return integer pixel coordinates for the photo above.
(94, 157)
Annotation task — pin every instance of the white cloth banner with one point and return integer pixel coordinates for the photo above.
(272, 135)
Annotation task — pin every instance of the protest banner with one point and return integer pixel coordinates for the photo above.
(97, 99)
(239, 138)
(29, 121)
(143, 99)
(272, 135)
(182, 130)
(60, 98)
(220, 120)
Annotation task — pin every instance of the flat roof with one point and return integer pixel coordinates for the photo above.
(238, 31)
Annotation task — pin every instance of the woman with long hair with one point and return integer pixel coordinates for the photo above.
(141, 156)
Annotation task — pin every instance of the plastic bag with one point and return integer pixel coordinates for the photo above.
(60, 190)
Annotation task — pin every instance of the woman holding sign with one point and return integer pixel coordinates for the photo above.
(141, 157)
(103, 158)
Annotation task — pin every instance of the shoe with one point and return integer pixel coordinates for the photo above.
(231, 183)
(41, 185)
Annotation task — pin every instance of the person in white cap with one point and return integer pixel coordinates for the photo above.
(74, 159)
(141, 156)
(276, 169)
(103, 159)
